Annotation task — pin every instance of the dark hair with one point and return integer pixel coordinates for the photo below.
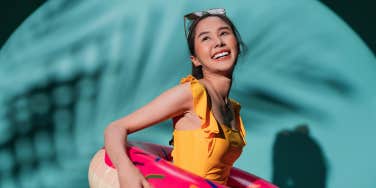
(197, 71)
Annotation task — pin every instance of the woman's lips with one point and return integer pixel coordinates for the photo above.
(222, 52)
(223, 58)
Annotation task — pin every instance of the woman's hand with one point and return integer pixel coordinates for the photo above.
(131, 177)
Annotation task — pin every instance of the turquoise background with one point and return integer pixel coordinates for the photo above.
(74, 66)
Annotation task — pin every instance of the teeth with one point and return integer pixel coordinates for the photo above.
(220, 55)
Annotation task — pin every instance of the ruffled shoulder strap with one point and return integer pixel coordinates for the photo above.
(237, 108)
(200, 99)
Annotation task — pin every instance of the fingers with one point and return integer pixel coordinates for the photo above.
(146, 184)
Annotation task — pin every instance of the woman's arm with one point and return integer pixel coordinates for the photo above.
(173, 102)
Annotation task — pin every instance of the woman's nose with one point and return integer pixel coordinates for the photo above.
(219, 42)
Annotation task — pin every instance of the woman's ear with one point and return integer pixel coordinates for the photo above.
(195, 61)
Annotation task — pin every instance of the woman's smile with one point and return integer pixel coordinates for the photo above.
(222, 55)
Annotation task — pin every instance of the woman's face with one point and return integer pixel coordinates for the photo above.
(215, 46)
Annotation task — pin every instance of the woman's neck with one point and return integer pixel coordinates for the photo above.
(220, 84)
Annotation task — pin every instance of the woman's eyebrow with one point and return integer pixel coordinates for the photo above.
(224, 27)
(221, 28)
(202, 33)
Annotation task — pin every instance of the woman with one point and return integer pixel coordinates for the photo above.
(208, 132)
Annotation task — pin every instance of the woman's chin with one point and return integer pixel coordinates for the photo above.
(224, 64)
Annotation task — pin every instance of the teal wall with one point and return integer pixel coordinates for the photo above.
(74, 66)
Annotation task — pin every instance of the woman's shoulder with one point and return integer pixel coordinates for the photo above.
(182, 90)
(189, 79)
(196, 87)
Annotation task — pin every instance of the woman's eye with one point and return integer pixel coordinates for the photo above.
(204, 38)
(223, 33)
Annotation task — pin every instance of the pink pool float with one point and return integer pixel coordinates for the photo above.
(154, 162)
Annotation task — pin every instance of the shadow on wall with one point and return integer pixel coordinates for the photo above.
(49, 129)
(298, 161)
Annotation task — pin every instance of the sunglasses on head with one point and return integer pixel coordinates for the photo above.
(191, 17)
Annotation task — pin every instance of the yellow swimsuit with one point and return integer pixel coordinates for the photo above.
(211, 151)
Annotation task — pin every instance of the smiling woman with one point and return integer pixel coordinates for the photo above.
(209, 134)
(305, 65)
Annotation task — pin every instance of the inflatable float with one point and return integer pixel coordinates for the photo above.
(154, 162)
